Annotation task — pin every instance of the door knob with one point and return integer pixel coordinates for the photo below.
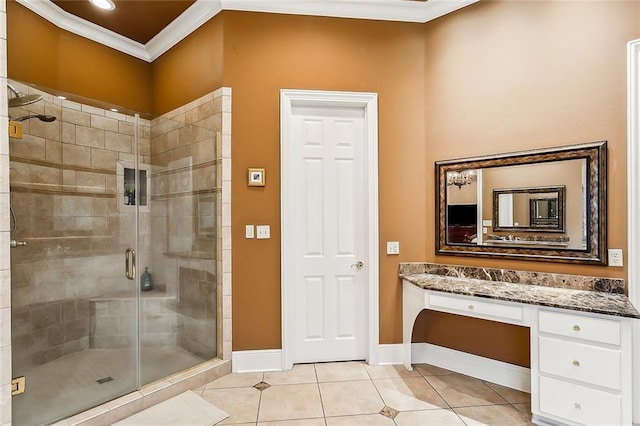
(358, 265)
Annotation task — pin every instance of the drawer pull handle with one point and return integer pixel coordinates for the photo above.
(471, 307)
(577, 405)
(576, 363)
(576, 328)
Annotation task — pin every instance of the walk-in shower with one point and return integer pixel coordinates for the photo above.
(87, 186)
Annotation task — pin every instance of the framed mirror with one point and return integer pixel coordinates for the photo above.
(540, 204)
(529, 209)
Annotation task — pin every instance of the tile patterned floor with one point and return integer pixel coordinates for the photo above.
(353, 393)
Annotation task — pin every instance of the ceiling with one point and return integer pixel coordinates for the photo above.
(147, 28)
(138, 20)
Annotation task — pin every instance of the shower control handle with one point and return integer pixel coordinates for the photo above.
(130, 264)
(15, 243)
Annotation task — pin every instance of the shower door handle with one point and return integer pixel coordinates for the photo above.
(130, 264)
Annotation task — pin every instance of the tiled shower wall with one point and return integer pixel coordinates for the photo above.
(187, 187)
(5, 274)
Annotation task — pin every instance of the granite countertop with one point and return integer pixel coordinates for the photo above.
(577, 300)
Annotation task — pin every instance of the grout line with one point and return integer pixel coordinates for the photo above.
(378, 391)
(441, 396)
(436, 391)
(514, 407)
(324, 414)
(259, 403)
(496, 392)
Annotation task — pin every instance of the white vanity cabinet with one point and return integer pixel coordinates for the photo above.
(580, 368)
(580, 361)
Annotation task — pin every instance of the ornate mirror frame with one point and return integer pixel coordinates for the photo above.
(594, 153)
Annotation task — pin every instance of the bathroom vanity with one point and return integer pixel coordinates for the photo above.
(580, 330)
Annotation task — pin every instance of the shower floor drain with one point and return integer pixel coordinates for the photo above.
(105, 380)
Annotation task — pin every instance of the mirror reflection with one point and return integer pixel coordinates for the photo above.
(529, 209)
(532, 204)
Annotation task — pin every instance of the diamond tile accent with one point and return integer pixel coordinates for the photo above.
(262, 386)
(389, 412)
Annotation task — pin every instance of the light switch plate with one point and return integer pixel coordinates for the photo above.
(248, 231)
(263, 232)
(615, 257)
(393, 247)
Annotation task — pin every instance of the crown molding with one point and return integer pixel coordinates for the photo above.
(190, 20)
(203, 10)
(381, 10)
(57, 16)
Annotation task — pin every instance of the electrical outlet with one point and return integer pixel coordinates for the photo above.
(615, 257)
(248, 231)
(263, 232)
(393, 247)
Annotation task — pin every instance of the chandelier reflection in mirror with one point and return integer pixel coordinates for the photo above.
(460, 179)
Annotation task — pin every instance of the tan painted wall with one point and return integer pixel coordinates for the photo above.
(504, 76)
(264, 53)
(42, 54)
(507, 76)
(493, 77)
(191, 70)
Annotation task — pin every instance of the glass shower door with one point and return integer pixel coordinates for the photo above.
(74, 312)
(177, 230)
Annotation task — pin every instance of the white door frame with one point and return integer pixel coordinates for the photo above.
(633, 205)
(369, 103)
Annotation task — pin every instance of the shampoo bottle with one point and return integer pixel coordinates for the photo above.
(146, 283)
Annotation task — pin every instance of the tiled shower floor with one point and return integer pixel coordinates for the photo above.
(69, 384)
(353, 393)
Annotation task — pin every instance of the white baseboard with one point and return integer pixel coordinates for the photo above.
(252, 361)
(389, 354)
(502, 373)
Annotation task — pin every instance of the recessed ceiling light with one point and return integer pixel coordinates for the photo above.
(103, 4)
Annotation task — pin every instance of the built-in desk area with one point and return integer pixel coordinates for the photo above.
(580, 330)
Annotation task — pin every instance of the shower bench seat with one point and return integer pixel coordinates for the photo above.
(112, 320)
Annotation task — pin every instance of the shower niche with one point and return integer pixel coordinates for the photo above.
(133, 192)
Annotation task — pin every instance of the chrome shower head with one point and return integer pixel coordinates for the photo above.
(21, 99)
(41, 117)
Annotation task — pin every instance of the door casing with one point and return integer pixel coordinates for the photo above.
(290, 98)
(633, 204)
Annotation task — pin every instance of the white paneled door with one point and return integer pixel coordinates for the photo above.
(329, 291)
(327, 275)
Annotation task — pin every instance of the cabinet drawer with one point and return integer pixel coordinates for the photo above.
(579, 403)
(581, 327)
(578, 361)
(474, 306)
